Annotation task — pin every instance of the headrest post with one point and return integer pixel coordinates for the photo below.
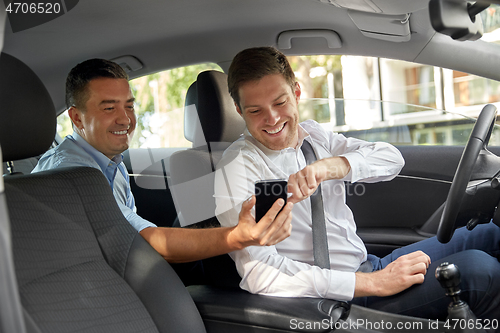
(10, 167)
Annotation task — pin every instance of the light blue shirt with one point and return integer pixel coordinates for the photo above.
(75, 151)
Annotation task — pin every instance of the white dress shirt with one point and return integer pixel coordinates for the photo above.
(287, 269)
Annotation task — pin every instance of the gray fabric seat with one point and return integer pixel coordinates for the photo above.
(80, 266)
(211, 123)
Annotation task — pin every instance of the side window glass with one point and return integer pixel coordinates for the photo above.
(159, 107)
(64, 124)
(394, 101)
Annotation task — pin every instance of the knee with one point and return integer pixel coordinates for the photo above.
(479, 271)
(480, 282)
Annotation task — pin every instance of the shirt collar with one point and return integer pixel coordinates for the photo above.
(303, 135)
(102, 160)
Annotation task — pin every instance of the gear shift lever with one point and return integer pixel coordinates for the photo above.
(448, 276)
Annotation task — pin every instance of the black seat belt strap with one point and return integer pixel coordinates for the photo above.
(320, 241)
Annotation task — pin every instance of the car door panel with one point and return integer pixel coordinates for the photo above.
(149, 173)
(406, 209)
(388, 214)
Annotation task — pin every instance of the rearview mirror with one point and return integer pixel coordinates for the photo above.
(457, 19)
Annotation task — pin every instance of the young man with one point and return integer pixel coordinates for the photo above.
(266, 95)
(101, 107)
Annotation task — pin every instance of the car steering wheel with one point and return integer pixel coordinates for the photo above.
(478, 141)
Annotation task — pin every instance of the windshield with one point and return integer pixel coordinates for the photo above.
(491, 24)
(397, 123)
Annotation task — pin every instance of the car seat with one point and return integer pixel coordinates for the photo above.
(80, 265)
(211, 123)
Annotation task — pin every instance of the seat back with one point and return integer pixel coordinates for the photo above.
(211, 124)
(11, 312)
(80, 265)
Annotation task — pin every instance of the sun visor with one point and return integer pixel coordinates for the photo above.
(393, 28)
(391, 7)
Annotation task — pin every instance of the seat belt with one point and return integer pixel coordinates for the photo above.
(320, 241)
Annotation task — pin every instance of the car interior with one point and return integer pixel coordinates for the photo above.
(70, 261)
(104, 273)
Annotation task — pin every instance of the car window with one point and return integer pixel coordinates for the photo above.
(369, 98)
(64, 126)
(395, 101)
(491, 24)
(159, 107)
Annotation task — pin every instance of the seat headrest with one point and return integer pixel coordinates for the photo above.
(192, 127)
(27, 113)
(216, 113)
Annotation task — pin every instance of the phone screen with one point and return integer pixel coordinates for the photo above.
(267, 192)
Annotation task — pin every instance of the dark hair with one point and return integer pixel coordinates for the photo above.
(255, 63)
(80, 76)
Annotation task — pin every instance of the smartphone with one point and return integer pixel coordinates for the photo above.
(266, 193)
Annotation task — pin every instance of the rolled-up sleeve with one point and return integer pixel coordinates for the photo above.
(372, 161)
(135, 220)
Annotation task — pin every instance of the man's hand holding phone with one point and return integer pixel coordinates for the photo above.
(272, 228)
(267, 192)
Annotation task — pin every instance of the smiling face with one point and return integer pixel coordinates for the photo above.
(108, 120)
(269, 107)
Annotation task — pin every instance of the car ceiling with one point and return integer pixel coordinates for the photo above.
(166, 34)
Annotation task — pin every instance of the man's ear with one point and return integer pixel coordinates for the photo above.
(238, 109)
(76, 117)
(297, 91)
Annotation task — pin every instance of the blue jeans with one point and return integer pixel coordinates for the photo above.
(475, 253)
